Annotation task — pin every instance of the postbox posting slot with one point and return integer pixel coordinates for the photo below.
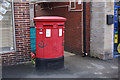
(60, 25)
(47, 25)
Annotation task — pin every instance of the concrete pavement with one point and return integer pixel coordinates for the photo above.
(75, 67)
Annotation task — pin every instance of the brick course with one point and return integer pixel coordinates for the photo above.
(22, 33)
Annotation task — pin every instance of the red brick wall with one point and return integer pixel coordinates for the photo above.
(73, 28)
(22, 33)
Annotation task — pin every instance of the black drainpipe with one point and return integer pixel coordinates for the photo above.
(84, 28)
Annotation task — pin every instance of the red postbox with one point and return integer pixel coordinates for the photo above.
(49, 42)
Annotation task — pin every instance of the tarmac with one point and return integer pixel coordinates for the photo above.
(75, 67)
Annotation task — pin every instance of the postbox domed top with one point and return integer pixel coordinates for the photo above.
(49, 18)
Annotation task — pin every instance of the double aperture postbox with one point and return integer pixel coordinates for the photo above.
(49, 42)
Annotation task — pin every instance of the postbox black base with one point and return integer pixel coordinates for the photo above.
(49, 64)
